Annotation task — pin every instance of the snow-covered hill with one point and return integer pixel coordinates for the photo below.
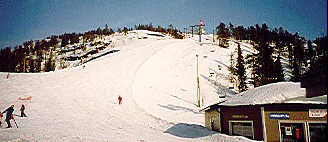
(156, 76)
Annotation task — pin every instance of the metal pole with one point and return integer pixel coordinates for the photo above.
(185, 31)
(200, 33)
(213, 28)
(192, 31)
(15, 122)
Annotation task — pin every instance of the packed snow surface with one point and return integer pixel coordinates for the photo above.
(155, 75)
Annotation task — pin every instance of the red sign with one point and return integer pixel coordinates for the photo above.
(297, 133)
(317, 112)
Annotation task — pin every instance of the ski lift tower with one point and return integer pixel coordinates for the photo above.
(200, 29)
(185, 31)
(192, 30)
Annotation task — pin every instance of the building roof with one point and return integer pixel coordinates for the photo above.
(304, 100)
(275, 93)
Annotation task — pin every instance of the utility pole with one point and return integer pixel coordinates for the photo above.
(200, 33)
(24, 60)
(213, 28)
(198, 89)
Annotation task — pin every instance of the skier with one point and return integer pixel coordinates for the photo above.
(119, 99)
(9, 112)
(22, 111)
(8, 76)
(1, 119)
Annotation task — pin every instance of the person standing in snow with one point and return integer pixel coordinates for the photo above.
(22, 111)
(1, 119)
(9, 112)
(119, 99)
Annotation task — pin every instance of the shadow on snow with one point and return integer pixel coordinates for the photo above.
(185, 130)
(175, 107)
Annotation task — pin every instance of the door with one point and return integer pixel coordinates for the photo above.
(292, 132)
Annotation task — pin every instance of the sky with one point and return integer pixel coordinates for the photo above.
(35, 20)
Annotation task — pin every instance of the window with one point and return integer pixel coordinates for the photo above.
(317, 132)
(301, 131)
(241, 128)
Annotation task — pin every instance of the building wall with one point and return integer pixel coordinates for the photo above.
(297, 114)
(235, 113)
(212, 115)
(238, 113)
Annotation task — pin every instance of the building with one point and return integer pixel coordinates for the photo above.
(274, 112)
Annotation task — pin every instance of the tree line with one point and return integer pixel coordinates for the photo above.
(271, 46)
(39, 56)
(177, 34)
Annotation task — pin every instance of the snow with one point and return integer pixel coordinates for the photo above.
(156, 77)
(313, 100)
(271, 93)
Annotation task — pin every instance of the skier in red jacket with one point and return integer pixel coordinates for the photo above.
(119, 99)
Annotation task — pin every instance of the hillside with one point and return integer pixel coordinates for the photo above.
(156, 77)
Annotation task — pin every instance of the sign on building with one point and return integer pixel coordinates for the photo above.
(279, 116)
(317, 112)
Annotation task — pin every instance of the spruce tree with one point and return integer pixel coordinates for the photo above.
(278, 70)
(310, 53)
(106, 30)
(241, 72)
(298, 57)
(222, 31)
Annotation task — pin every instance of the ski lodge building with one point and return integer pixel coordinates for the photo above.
(274, 112)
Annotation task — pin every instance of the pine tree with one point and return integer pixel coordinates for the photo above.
(39, 56)
(231, 29)
(241, 72)
(31, 63)
(222, 31)
(99, 31)
(298, 59)
(7, 60)
(48, 65)
(232, 69)
(278, 70)
(310, 53)
(240, 33)
(53, 41)
(125, 31)
(111, 31)
(252, 62)
(106, 30)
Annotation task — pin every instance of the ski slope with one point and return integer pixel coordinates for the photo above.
(155, 75)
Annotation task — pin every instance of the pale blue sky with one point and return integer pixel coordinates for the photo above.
(35, 19)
